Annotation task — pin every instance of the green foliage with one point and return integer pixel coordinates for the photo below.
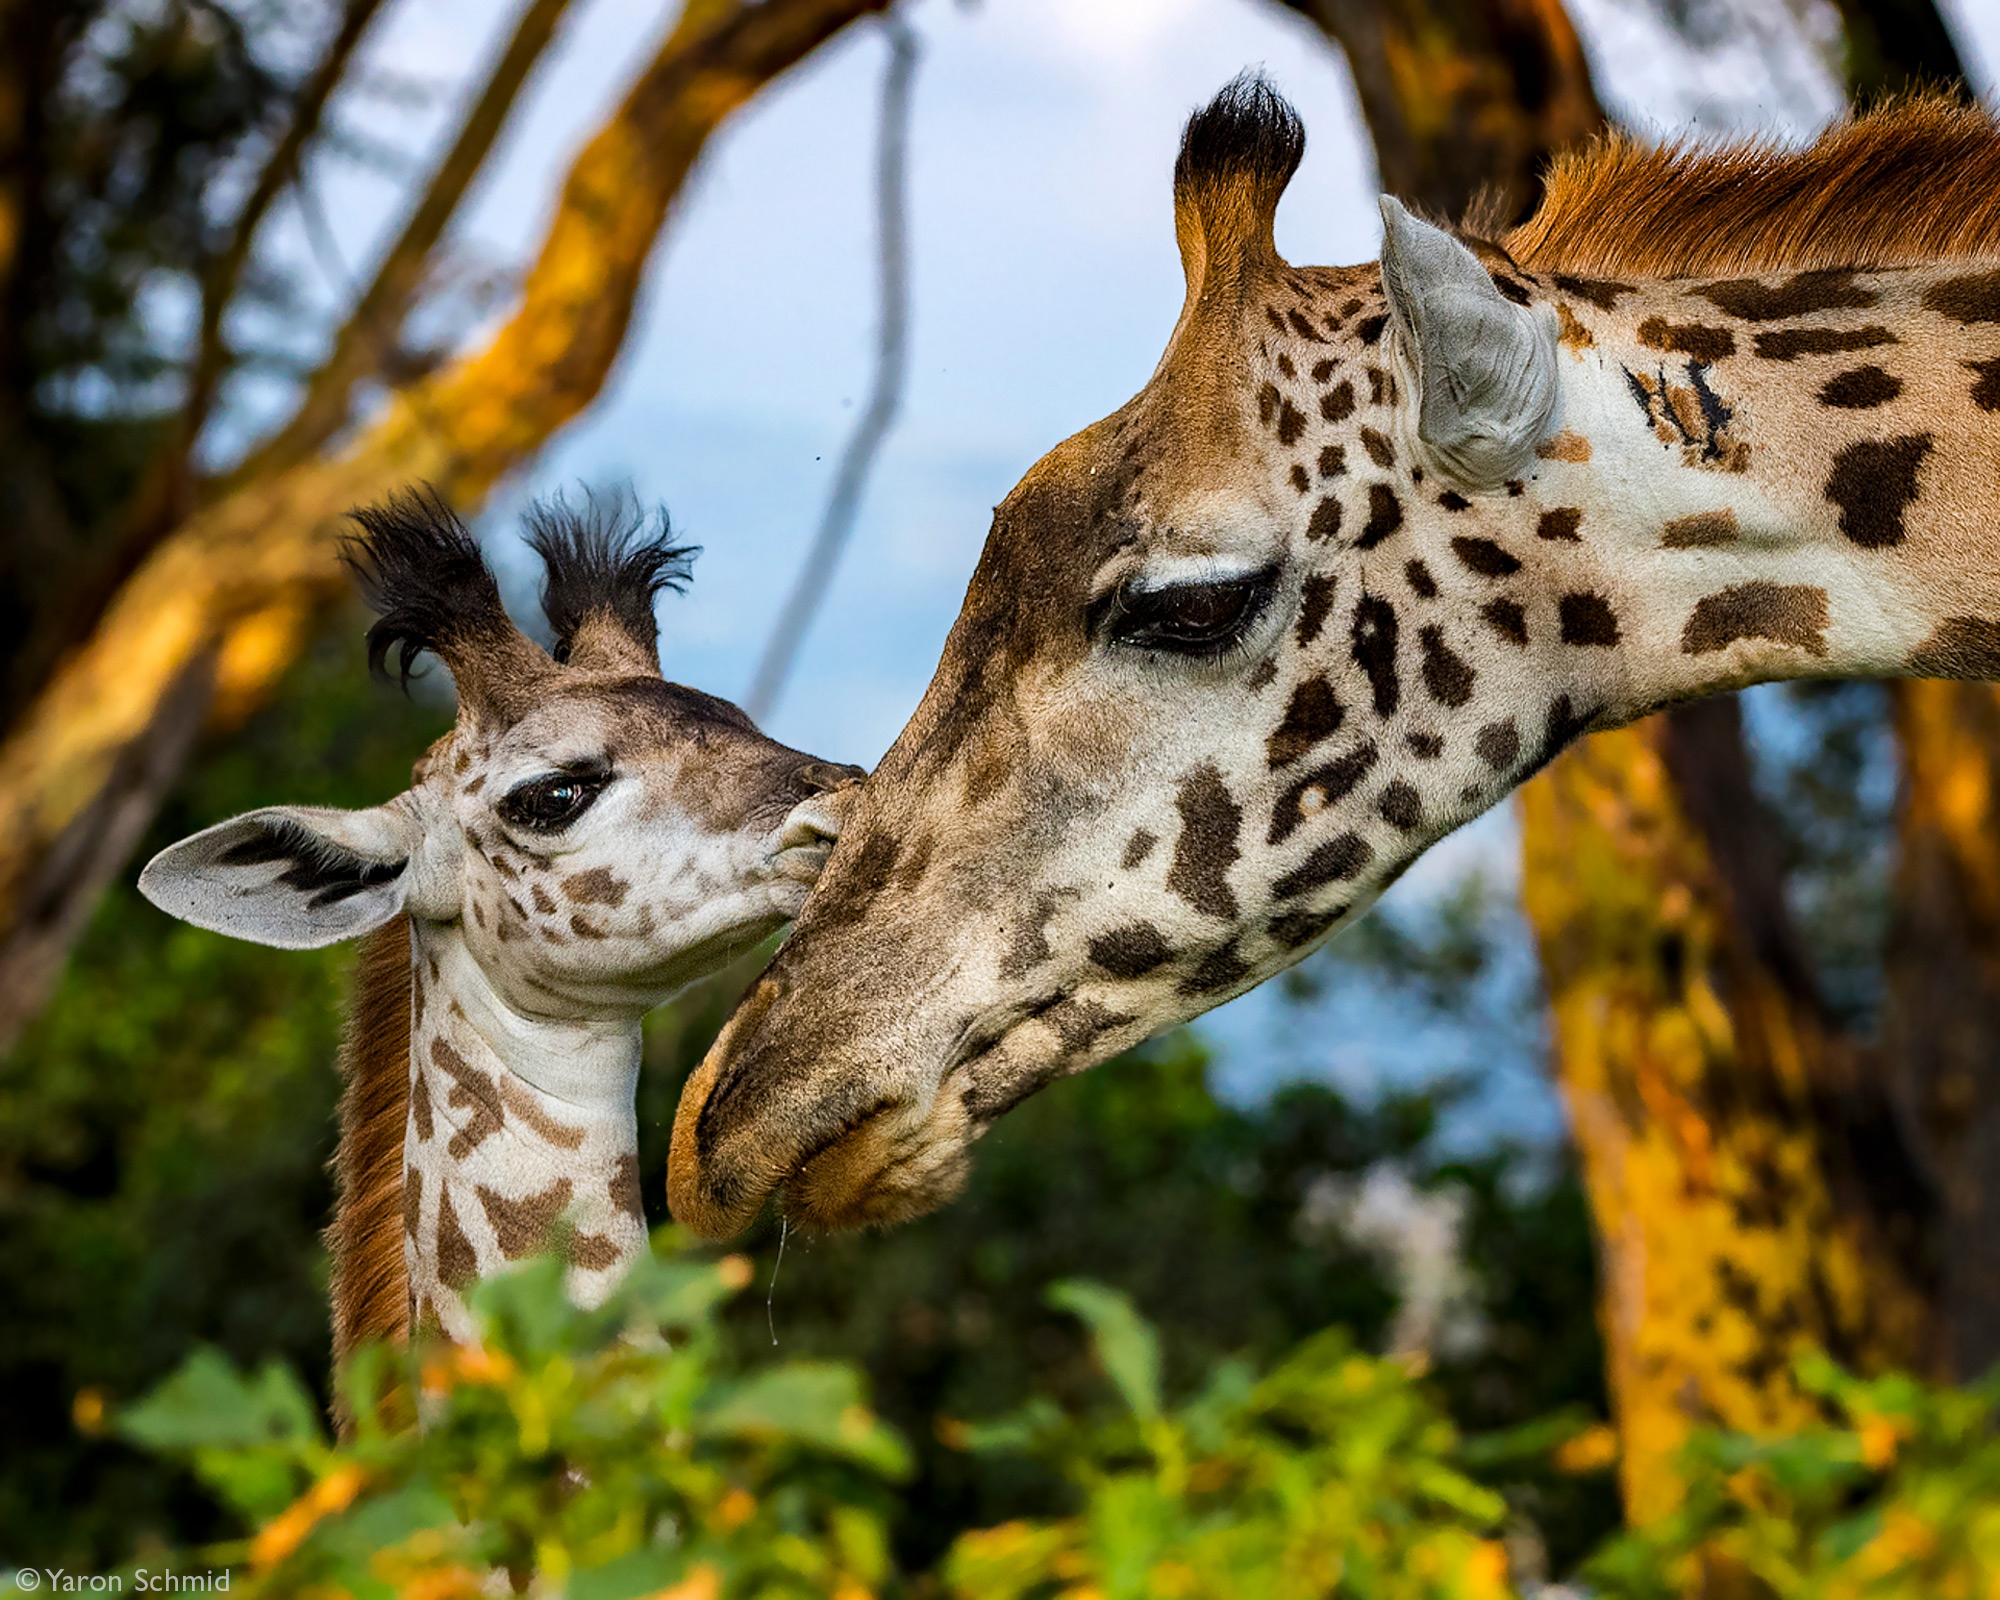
(608, 1452)
(1333, 1474)
(1895, 1497)
(164, 1130)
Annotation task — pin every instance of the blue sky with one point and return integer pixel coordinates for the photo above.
(1044, 284)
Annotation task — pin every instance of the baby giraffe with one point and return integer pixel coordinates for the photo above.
(586, 841)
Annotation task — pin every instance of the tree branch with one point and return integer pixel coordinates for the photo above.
(368, 339)
(220, 608)
(891, 362)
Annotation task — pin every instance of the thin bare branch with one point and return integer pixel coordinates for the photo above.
(368, 340)
(891, 363)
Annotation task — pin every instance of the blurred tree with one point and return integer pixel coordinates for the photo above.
(1464, 97)
(218, 601)
(1754, 1191)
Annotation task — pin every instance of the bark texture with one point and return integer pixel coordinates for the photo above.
(1718, 1120)
(205, 627)
(1464, 96)
(1941, 1035)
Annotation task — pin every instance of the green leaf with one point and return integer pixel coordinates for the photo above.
(208, 1404)
(1126, 1344)
(634, 1573)
(813, 1403)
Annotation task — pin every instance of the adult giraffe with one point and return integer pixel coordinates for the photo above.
(1369, 549)
(587, 840)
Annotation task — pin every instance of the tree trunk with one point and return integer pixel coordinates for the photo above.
(1941, 1034)
(1464, 97)
(205, 627)
(1714, 1112)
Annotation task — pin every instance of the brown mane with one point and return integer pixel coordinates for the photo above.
(371, 1293)
(1916, 180)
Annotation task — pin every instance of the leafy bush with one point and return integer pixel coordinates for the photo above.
(1895, 1497)
(1333, 1474)
(602, 1453)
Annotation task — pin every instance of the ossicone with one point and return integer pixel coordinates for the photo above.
(420, 568)
(1237, 154)
(604, 566)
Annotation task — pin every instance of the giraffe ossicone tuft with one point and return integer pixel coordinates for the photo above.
(1237, 154)
(608, 559)
(420, 568)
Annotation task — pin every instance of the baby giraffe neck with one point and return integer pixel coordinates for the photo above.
(522, 1133)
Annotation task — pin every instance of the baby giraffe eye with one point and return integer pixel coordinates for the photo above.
(552, 801)
(1190, 619)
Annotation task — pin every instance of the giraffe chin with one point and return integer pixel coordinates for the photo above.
(889, 1170)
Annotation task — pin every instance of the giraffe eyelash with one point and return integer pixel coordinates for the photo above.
(1203, 620)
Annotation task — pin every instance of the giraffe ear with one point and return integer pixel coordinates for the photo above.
(1486, 367)
(296, 877)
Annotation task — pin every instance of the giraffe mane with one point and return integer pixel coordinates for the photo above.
(370, 1287)
(1916, 180)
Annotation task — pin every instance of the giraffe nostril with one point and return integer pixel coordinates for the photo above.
(822, 777)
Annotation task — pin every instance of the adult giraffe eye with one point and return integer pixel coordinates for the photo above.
(553, 801)
(1190, 619)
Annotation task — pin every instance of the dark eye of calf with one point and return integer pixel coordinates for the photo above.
(554, 800)
(1190, 619)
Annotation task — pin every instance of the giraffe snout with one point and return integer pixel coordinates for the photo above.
(826, 777)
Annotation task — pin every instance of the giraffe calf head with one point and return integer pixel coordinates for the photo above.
(600, 837)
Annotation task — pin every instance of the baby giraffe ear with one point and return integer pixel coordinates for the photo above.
(297, 877)
(1486, 367)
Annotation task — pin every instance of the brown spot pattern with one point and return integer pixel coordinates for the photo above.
(1860, 390)
(1788, 614)
(1560, 523)
(471, 1091)
(1587, 619)
(1207, 847)
(1700, 530)
(1401, 806)
(1312, 714)
(1130, 952)
(597, 887)
(1506, 618)
(1873, 482)
(1485, 557)
(1337, 404)
(1688, 338)
(1446, 675)
(1826, 289)
(1336, 861)
(1421, 582)
(1564, 446)
(520, 1100)
(457, 1264)
(1959, 647)
(1315, 606)
(1385, 516)
(1972, 298)
(1325, 521)
(1332, 461)
(521, 1227)
(1137, 848)
(1329, 784)
(1498, 744)
(1380, 450)
(1788, 344)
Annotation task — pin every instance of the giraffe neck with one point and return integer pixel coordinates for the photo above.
(1774, 478)
(522, 1132)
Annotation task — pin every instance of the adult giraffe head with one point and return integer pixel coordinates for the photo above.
(585, 841)
(1372, 545)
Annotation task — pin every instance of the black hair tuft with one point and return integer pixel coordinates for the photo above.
(1248, 134)
(420, 568)
(608, 555)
